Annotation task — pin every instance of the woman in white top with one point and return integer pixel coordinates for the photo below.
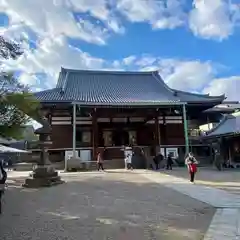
(128, 158)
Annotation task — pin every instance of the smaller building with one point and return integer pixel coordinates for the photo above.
(227, 135)
(226, 107)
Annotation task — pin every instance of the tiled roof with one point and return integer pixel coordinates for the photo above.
(229, 125)
(115, 88)
(224, 108)
(198, 98)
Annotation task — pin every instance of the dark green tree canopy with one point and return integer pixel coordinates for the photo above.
(9, 49)
(17, 104)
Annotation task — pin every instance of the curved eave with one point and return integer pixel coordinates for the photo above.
(210, 137)
(201, 95)
(206, 98)
(220, 110)
(54, 96)
(129, 104)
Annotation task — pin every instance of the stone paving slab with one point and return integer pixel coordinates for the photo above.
(225, 224)
(101, 206)
(215, 197)
(227, 180)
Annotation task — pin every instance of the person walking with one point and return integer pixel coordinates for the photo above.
(128, 158)
(99, 161)
(129, 161)
(3, 178)
(157, 159)
(169, 162)
(191, 163)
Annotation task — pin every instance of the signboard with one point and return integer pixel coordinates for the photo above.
(172, 151)
(85, 155)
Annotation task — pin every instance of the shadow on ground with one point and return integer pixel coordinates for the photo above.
(102, 206)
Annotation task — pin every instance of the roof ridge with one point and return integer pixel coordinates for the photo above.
(64, 84)
(157, 76)
(47, 90)
(92, 71)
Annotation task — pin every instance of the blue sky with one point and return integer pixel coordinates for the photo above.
(193, 44)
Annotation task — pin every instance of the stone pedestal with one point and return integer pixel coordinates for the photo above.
(43, 176)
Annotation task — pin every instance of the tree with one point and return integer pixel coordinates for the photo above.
(17, 104)
(9, 49)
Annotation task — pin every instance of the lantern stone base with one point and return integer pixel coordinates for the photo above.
(43, 176)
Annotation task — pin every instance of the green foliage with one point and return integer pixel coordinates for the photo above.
(17, 104)
(9, 49)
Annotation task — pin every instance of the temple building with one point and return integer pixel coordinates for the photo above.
(226, 136)
(90, 110)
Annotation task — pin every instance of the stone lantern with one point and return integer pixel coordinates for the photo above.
(44, 175)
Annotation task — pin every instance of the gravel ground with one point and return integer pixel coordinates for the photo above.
(102, 206)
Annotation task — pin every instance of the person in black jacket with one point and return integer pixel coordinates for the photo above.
(169, 162)
(3, 178)
(157, 160)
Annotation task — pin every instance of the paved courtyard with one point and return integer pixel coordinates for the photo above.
(112, 205)
(228, 179)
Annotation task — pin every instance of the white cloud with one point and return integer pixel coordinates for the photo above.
(17, 32)
(51, 22)
(129, 60)
(48, 58)
(160, 14)
(51, 18)
(214, 19)
(29, 79)
(100, 10)
(229, 86)
(94, 21)
(97, 9)
(193, 76)
(145, 61)
(196, 76)
(188, 75)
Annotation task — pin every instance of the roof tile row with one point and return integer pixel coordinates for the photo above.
(116, 88)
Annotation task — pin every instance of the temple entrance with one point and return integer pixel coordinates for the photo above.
(120, 138)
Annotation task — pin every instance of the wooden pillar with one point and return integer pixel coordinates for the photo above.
(74, 130)
(94, 134)
(185, 129)
(229, 151)
(49, 116)
(157, 133)
(164, 133)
